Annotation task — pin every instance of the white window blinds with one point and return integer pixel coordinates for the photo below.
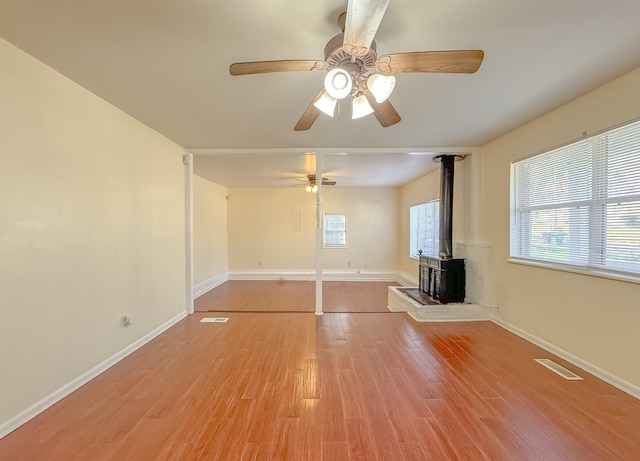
(424, 229)
(579, 205)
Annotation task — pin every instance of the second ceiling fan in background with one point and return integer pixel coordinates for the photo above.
(354, 70)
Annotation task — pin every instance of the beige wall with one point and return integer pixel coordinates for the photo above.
(210, 256)
(92, 226)
(423, 190)
(261, 237)
(593, 318)
(372, 227)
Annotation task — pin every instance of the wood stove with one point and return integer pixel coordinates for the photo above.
(443, 277)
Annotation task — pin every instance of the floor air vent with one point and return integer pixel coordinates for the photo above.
(214, 319)
(562, 371)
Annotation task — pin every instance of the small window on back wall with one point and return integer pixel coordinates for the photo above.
(334, 231)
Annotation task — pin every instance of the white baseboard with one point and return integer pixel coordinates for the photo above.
(34, 410)
(407, 280)
(202, 287)
(328, 275)
(596, 371)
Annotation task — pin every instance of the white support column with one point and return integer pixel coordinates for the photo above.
(188, 206)
(319, 235)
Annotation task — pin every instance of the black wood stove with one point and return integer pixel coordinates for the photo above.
(443, 277)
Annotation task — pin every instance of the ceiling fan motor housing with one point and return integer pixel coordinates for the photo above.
(335, 56)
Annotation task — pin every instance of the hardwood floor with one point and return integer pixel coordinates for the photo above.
(294, 296)
(368, 386)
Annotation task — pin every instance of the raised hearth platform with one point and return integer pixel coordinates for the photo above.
(399, 301)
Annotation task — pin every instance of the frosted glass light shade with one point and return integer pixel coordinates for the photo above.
(326, 104)
(338, 83)
(381, 86)
(360, 107)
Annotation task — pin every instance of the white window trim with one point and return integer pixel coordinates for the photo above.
(346, 229)
(591, 268)
(609, 273)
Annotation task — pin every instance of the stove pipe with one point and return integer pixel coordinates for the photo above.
(446, 203)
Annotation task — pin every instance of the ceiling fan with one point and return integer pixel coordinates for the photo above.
(312, 184)
(354, 70)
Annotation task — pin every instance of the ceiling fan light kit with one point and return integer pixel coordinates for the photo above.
(338, 83)
(354, 69)
(326, 104)
(360, 107)
(381, 86)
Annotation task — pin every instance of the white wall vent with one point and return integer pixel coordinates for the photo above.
(562, 371)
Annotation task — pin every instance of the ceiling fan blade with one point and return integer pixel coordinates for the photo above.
(464, 61)
(310, 114)
(384, 112)
(328, 183)
(264, 67)
(363, 20)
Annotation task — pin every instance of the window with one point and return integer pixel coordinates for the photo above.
(578, 206)
(424, 227)
(334, 231)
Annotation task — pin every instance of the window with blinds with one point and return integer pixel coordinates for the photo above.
(424, 229)
(578, 206)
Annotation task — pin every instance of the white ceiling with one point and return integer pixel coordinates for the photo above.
(166, 63)
(357, 168)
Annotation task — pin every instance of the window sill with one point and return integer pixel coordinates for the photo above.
(623, 277)
(416, 257)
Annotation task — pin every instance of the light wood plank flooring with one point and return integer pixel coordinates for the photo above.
(294, 296)
(366, 386)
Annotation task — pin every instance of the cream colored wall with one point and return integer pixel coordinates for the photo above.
(424, 190)
(596, 319)
(92, 226)
(260, 234)
(210, 255)
(372, 228)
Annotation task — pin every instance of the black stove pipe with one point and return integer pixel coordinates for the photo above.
(446, 205)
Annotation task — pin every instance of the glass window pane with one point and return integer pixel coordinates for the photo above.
(335, 230)
(424, 228)
(579, 205)
(623, 236)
